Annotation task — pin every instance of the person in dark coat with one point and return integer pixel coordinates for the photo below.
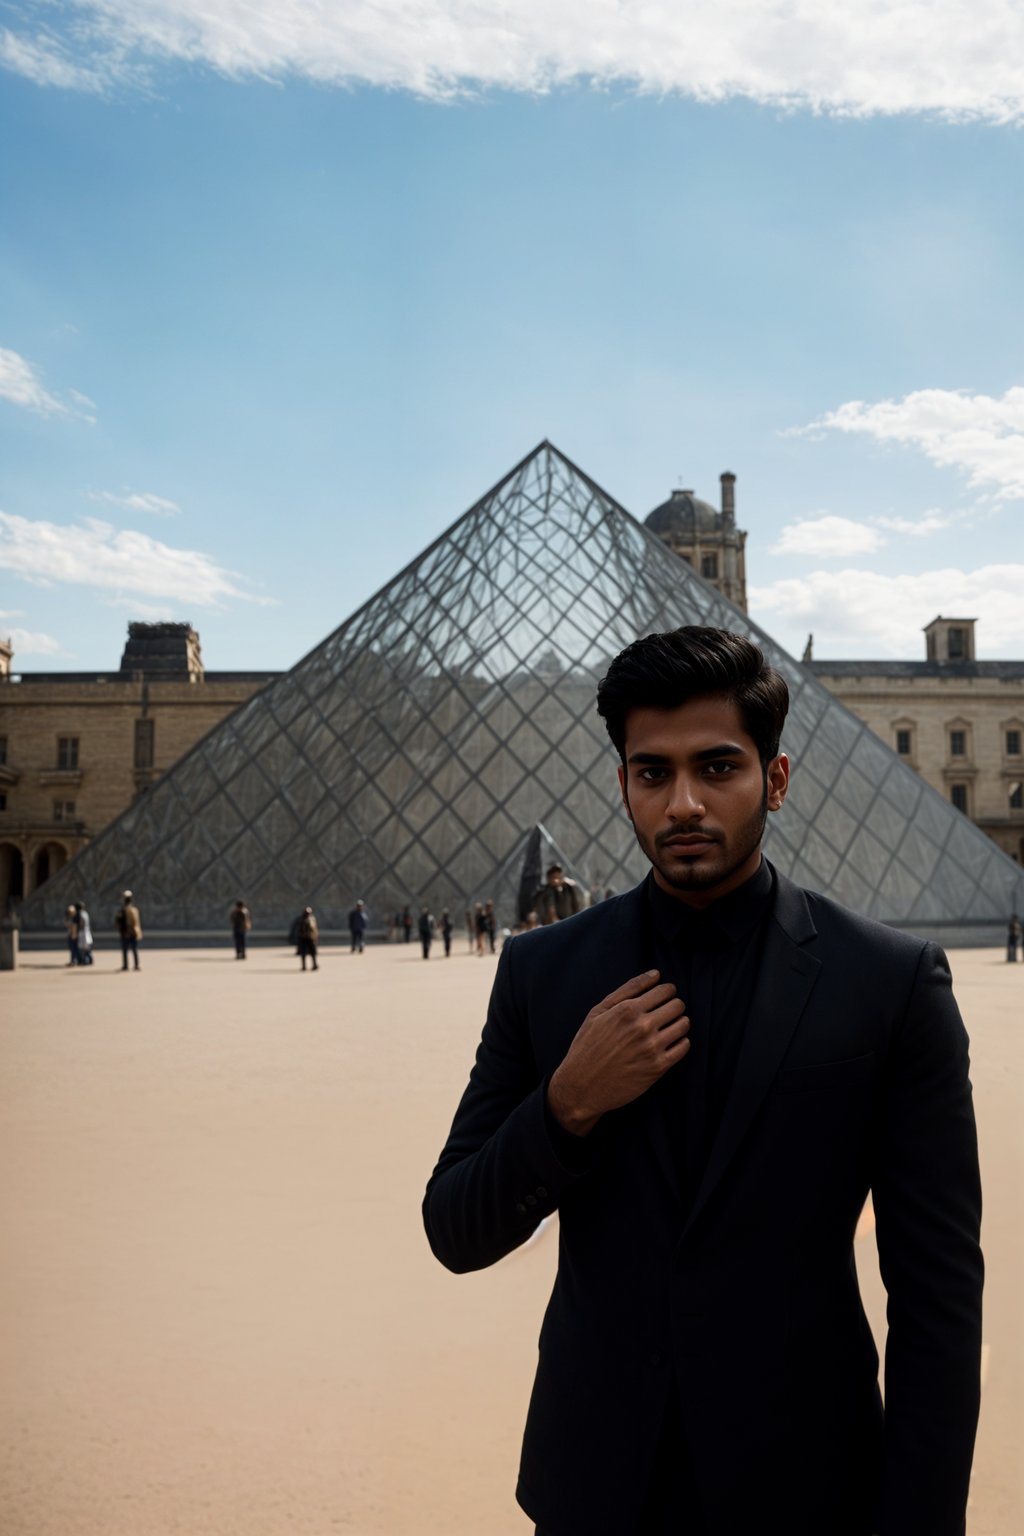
(128, 922)
(706, 1077)
(358, 922)
(446, 932)
(241, 923)
(1014, 933)
(406, 924)
(309, 936)
(426, 931)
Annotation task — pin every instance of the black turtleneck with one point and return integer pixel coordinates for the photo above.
(712, 956)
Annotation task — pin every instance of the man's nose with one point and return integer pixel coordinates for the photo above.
(687, 799)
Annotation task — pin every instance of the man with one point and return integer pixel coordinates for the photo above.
(241, 924)
(358, 922)
(426, 931)
(309, 937)
(705, 1076)
(128, 922)
(1014, 933)
(558, 897)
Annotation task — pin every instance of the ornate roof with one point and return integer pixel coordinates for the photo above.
(684, 514)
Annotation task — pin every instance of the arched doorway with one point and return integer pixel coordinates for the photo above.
(50, 858)
(12, 876)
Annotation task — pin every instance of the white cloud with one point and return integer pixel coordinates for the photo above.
(32, 642)
(827, 535)
(917, 527)
(872, 57)
(94, 554)
(21, 384)
(138, 501)
(855, 612)
(981, 435)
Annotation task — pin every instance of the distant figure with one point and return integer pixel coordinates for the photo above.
(531, 920)
(446, 933)
(426, 931)
(309, 933)
(558, 898)
(358, 922)
(480, 927)
(491, 923)
(83, 934)
(128, 923)
(470, 929)
(406, 924)
(1014, 935)
(241, 922)
(71, 924)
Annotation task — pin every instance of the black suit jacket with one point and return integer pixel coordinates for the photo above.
(853, 1075)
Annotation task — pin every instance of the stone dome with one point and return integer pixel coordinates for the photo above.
(684, 514)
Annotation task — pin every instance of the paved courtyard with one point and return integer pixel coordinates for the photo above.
(220, 1314)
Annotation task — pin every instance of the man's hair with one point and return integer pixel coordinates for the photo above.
(664, 671)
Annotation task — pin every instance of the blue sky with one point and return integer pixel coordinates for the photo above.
(278, 301)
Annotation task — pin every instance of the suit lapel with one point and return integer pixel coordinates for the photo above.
(785, 981)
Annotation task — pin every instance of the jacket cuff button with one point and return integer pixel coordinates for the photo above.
(521, 1208)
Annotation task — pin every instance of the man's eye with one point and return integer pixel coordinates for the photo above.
(719, 770)
(650, 775)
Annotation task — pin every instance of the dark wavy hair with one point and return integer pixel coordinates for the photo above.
(664, 671)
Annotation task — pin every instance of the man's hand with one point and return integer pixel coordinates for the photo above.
(624, 1045)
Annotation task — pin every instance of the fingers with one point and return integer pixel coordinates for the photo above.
(635, 987)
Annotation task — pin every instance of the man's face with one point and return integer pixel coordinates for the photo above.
(697, 796)
(555, 878)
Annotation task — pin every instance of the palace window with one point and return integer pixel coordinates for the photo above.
(3, 750)
(63, 810)
(958, 743)
(1017, 796)
(1012, 744)
(958, 795)
(709, 567)
(67, 752)
(957, 647)
(144, 743)
(3, 802)
(904, 743)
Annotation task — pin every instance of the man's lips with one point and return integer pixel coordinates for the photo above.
(688, 842)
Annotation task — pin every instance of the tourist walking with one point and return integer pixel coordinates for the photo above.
(446, 933)
(480, 927)
(490, 923)
(83, 934)
(128, 923)
(426, 931)
(309, 934)
(358, 922)
(241, 923)
(406, 921)
(1014, 934)
(558, 897)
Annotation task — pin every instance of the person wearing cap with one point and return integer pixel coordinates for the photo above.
(128, 923)
(558, 898)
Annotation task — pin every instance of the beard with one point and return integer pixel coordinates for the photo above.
(708, 869)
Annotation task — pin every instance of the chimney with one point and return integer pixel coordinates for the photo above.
(728, 499)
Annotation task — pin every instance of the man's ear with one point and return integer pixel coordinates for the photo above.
(621, 771)
(777, 781)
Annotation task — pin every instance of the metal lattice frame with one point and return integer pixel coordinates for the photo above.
(404, 759)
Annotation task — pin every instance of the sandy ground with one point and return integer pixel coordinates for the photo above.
(219, 1311)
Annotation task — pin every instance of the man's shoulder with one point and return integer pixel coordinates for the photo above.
(842, 928)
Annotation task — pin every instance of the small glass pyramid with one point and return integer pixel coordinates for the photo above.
(405, 760)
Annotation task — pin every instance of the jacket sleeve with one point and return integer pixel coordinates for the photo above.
(503, 1167)
(927, 1198)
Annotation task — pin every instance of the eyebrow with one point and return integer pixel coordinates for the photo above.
(724, 749)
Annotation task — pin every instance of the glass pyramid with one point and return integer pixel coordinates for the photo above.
(408, 757)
